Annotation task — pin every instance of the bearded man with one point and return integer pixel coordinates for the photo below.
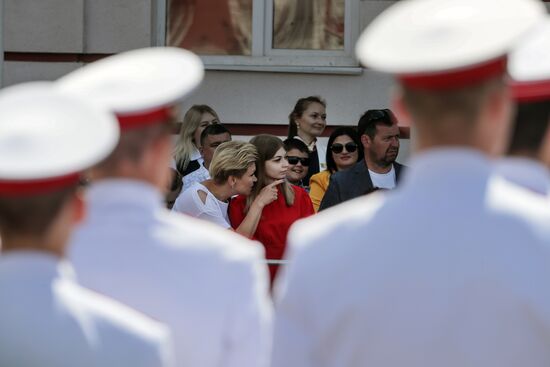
(378, 170)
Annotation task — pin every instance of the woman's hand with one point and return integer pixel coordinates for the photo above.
(268, 194)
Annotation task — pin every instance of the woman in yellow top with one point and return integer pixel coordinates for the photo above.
(344, 150)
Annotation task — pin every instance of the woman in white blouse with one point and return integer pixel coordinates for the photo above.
(232, 172)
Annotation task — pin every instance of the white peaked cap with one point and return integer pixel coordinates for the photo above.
(139, 86)
(47, 138)
(438, 44)
(529, 65)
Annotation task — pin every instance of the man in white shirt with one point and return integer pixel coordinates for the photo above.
(208, 285)
(47, 318)
(528, 158)
(378, 170)
(451, 268)
(211, 137)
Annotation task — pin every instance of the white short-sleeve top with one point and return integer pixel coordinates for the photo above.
(212, 209)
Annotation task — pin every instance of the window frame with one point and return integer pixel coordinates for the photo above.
(265, 58)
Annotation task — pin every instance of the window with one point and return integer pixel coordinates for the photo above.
(271, 35)
(211, 27)
(307, 25)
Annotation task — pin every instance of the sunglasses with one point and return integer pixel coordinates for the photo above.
(294, 160)
(339, 148)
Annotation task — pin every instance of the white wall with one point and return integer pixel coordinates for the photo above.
(267, 98)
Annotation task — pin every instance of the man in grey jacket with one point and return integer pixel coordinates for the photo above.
(378, 170)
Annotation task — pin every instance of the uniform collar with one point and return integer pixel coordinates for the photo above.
(34, 265)
(449, 171)
(525, 172)
(453, 158)
(124, 191)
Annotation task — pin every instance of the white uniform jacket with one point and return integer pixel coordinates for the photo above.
(452, 269)
(208, 284)
(46, 319)
(527, 173)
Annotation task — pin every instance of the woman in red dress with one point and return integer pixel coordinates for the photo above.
(290, 202)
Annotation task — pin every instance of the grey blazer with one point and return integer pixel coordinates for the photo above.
(351, 183)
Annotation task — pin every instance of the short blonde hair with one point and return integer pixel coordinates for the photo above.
(232, 158)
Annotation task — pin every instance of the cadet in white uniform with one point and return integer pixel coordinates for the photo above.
(452, 268)
(528, 157)
(208, 284)
(46, 318)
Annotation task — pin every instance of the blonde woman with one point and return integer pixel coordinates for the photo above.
(187, 157)
(232, 169)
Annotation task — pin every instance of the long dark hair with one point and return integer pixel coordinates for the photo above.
(298, 111)
(267, 145)
(343, 130)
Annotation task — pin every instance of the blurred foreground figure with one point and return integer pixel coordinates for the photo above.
(528, 157)
(207, 284)
(46, 318)
(452, 268)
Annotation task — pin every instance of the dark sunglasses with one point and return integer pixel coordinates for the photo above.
(294, 160)
(338, 148)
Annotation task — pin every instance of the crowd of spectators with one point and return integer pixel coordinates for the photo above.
(259, 189)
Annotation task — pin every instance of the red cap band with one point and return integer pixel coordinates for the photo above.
(530, 91)
(40, 186)
(455, 79)
(147, 118)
